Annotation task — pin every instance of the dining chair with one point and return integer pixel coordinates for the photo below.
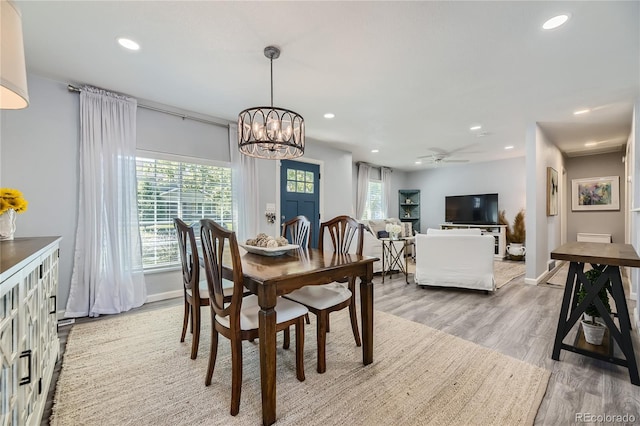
(297, 231)
(196, 294)
(237, 320)
(324, 299)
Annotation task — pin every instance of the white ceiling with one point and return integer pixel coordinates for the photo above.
(401, 77)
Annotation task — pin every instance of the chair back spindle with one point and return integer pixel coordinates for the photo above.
(299, 230)
(342, 230)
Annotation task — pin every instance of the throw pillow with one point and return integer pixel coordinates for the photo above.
(407, 229)
(377, 225)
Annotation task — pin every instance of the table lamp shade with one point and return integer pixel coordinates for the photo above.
(13, 76)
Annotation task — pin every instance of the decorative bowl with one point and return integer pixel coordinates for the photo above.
(269, 251)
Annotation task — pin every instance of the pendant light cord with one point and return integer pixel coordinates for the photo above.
(271, 61)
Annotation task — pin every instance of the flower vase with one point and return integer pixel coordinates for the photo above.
(7, 225)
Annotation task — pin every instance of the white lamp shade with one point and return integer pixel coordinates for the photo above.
(13, 76)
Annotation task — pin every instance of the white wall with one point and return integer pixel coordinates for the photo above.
(543, 232)
(40, 158)
(504, 177)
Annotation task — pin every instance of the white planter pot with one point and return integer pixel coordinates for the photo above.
(593, 334)
(7, 225)
(516, 251)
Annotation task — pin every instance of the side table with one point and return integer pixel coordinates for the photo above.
(394, 256)
(607, 257)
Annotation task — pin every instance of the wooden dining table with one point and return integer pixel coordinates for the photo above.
(271, 276)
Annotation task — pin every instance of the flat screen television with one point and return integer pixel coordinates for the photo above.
(481, 209)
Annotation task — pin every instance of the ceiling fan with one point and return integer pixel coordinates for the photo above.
(442, 156)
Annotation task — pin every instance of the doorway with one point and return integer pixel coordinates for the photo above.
(300, 194)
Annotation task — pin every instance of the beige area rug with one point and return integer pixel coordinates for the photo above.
(504, 271)
(133, 370)
(559, 278)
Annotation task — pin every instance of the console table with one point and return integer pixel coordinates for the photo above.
(498, 232)
(608, 258)
(29, 344)
(392, 256)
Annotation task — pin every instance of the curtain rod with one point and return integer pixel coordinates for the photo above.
(375, 166)
(72, 88)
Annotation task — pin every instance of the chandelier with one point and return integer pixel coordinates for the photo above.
(270, 132)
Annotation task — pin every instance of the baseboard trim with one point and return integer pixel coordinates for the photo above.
(542, 278)
(163, 296)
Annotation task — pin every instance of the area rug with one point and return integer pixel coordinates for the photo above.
(133, 370)
(559, 278)
(503, 271)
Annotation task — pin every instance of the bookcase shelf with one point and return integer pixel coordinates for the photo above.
(409, 207)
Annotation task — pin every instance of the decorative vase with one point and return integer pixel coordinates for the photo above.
(7, 225)
(393, 235)
(593, 333)
(516, 251)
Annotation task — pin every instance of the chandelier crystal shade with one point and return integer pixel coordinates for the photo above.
(270, 132)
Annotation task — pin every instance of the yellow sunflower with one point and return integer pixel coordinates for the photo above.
(12, 199)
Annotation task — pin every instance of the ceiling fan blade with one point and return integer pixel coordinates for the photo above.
(454, 161)
(439, 150)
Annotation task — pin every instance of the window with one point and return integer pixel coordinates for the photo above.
(169, 189)
(373, 208)
(299, 181)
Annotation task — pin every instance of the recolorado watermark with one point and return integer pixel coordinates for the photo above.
(604, 418)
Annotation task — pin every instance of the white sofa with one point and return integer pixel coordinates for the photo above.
(455, 258)
(372, 246)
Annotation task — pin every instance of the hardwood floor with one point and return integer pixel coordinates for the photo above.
(518, 320)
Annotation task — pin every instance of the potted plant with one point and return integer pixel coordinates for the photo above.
(593, 327)
(516, 235)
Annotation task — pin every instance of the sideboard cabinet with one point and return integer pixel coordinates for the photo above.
(29, 345)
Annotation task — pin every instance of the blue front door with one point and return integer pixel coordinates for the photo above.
(300, 193)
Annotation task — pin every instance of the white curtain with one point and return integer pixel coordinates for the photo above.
(362, 190)
(385, 177)
(107, 271)
(245, 189)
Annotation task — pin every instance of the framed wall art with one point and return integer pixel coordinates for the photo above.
(594, 194)
(552, 192)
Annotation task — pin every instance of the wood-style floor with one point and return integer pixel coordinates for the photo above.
(518, 320)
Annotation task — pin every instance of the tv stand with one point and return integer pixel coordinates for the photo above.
(499, 233)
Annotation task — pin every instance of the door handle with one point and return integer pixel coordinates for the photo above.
(26, 380)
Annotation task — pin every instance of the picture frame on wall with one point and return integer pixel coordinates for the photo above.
(552, 192)
(595, 194)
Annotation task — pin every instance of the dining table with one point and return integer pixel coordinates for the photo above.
(271, 276)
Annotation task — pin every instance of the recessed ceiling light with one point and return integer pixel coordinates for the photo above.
(329, 115)
(128, 44)
(555, 22)
(476, 127)
(508, 147)
(418, 162)
(375, 150)
(581, 111)
(588, 144)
